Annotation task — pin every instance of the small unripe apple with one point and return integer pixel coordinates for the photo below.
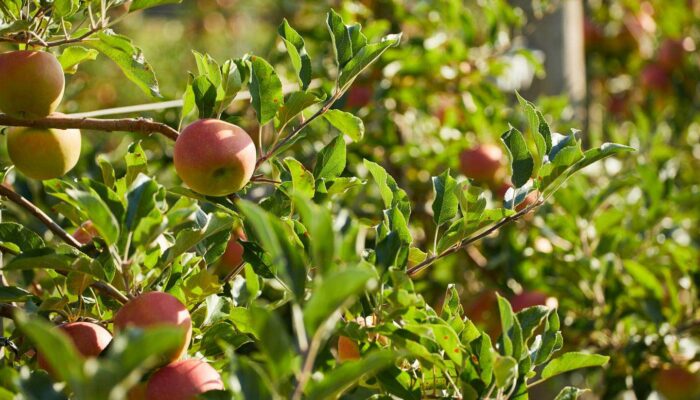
(527, 299)
(31, 84)
(183, 380)
(481, 163)
(156, 309)
(655, 78)
(233, 255)
(85, 233)
(347, 349)
(677, 383)
(214, 158)
(89, 339)
(671, 54)
(43, 153)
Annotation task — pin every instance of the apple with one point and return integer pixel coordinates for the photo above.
(85, 233)
(183, 380)
(32, 84)
(233, 255)
(214, 158)
(89, 339)
(137, 392)
(654, 77)
(347, 349)
(677, 383)
(527, 299)
(670, 54)
(42, 153)
(359, 96)
(155, 309)
(481, 163)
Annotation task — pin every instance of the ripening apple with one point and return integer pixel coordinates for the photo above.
(528, 299)
(481, 163)
(671, 54)
(85, 233)
(31, 84)
(654, 77)
(156, 309)
(233, 255)
(89, 339)
(348, 350)
(183, 380)
(42, 153)
(359, 96)
(677, 383)
(214, 158)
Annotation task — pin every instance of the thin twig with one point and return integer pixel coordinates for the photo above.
(138, 125)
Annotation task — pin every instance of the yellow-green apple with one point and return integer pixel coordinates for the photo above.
(347, 349)
(481, 163)
(31, 84)
(157, 309)
(214, 158)
(42, 153)
(89, 339)
(233, 255)
(183, 380)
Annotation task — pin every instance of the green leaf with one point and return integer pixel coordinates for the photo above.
(336, 290)
(330, 161)
(572, 361)
(142, 4)
(18, 238)
(9, 294)
(72, 56)
(186, 239)
(522, 163)
(265, 90)
(531, 318)
(340, 36)
(346, 123)
(536, 141)
(62, 258)
(204, 92)
(274, 342)
(297, 53)
(511, 336)
(505, 370)
(366, 56)
(98, 212)
(319, 222)
(302, 180)
(570, 393)
(446, 337)
(642, 275)
(296, 103)
(391, 193)
(65, 8)
(343, 377)
(446, 203)
(129, 58)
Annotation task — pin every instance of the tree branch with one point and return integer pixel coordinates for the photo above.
(8, 311)
(138, 125)
(16, 198)
(464, 243)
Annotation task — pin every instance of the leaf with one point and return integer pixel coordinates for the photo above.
(343, 377)
(65, 8)
(642, 275)
(142, 4)
(204, 96)
(319, 222)
(446, 203)
(72, 56)
(570, 393)
(98, 212)
(336, 290)
(302, 180)
(346, 123)
(330, 161)
(531, 318)
(265, 90)
(296, 103)
(391, 194)
(366, 56)
(9, 294)
(505, 370)
(297, 53)
(536, 141)
(129, 58)
(61, 258)
(446, 337)
(522, 163)
(274, 341)
(340, 37)
(572, 361)
(188, 238)
(18, 238)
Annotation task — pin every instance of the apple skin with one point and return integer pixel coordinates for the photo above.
(89, 339)
(347, 349)
(527, 299)
(677, 383)
(137, 392)
(154, 309)
(85, 233)
(183, 380)
(481, 163)
(359, 96)
(43, 153)
(32, 84)
(214, 158)
(233, 255)
(671, 54)
(655, 78)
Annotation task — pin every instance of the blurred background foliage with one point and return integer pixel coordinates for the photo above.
(621, 259)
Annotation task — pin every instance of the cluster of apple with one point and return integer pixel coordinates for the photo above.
(484, 165)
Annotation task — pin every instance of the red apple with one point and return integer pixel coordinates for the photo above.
(347, 349)
(359, 96)
(214, 158)
(671, 54)
(654, 77)
(677, 383)
(527, 299)
(183, 380)
(89, 339)
(31, 84)
(155, 309)
(85, 233)
(481, 163)
(233, 255)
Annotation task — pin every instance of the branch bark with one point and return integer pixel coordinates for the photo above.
(138, 125)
